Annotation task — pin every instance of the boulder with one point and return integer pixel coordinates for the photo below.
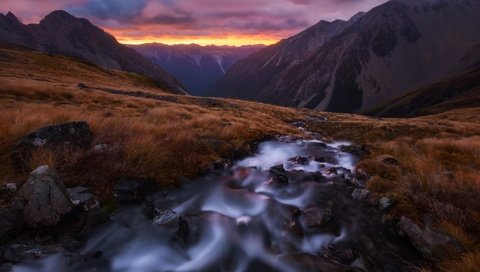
(74, 135)
(46, 199)
(133, 190)
(221, 164)
(389, 160)
(357, 150)
(433, 245)
(166, 218)
(360, 194)
(82, 86)
(360, 264)
(298, 124)
(385, 202)
(23, 252)
(299, 160)
(81, 196)
(278, 175)
(316, 216)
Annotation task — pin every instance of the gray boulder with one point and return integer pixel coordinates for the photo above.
(46, 199)
(433, 245)
(67, 136)
(385, 202)
(360, 194)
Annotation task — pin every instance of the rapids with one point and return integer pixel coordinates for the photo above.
(286, 208)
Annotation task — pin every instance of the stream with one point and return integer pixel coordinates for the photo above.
(289, 207)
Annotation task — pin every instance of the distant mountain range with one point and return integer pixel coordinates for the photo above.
(397, 48)
(197, 67)
(61, 33)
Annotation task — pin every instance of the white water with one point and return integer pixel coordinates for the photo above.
(237, 220)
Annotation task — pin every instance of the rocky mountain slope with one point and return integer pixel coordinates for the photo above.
(248, 77)
(61, 33)
(455, 92)
(393, 49)
(197, 67)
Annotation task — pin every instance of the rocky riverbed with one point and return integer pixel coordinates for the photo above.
(295, 205)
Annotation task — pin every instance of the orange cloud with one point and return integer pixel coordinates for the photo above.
(231, 40)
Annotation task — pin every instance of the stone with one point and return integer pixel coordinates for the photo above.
(433, 245)
(82, 86)
(357, 150)
(389, 160)
(22, 251)
(295, 229)
(320, 159)
(221, 164)
(46, 198)
(81, 196)
(86, 220)
(11, 186)
(298, 124)
(133, 190)
(360, 194)
(316, 216)
(101, 147)
(331, 171)
(278, 175)
(166, 218)
(360, 264)
(385, 202)
(67, 136)
(299, 160)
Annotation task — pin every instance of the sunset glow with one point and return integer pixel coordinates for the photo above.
(218, 22)
(231, 40)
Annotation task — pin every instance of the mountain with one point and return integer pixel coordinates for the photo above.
(393, 49)
(61, 33)
(248, 77)
(455, 92)
(197, 67)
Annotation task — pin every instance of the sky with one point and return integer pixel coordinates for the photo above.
(219, 22)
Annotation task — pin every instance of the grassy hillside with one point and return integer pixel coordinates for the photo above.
(456, 92)
(170, 138)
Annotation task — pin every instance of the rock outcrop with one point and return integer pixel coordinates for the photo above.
(46, 199)
(61, 138)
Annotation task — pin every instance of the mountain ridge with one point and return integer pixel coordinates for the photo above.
(393, 48)
(62, 33)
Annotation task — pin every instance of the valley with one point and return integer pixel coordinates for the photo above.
(351, 146)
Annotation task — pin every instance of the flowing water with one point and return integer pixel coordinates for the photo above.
(287, 208)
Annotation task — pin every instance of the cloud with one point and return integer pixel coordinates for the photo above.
(160, 18)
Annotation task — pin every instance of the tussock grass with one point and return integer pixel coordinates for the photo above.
(170, 138)
(167, 138)
(437, 181)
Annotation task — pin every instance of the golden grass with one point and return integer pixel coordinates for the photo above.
(167, 139)
(171, 138)
(469, 262)
(437, 181)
